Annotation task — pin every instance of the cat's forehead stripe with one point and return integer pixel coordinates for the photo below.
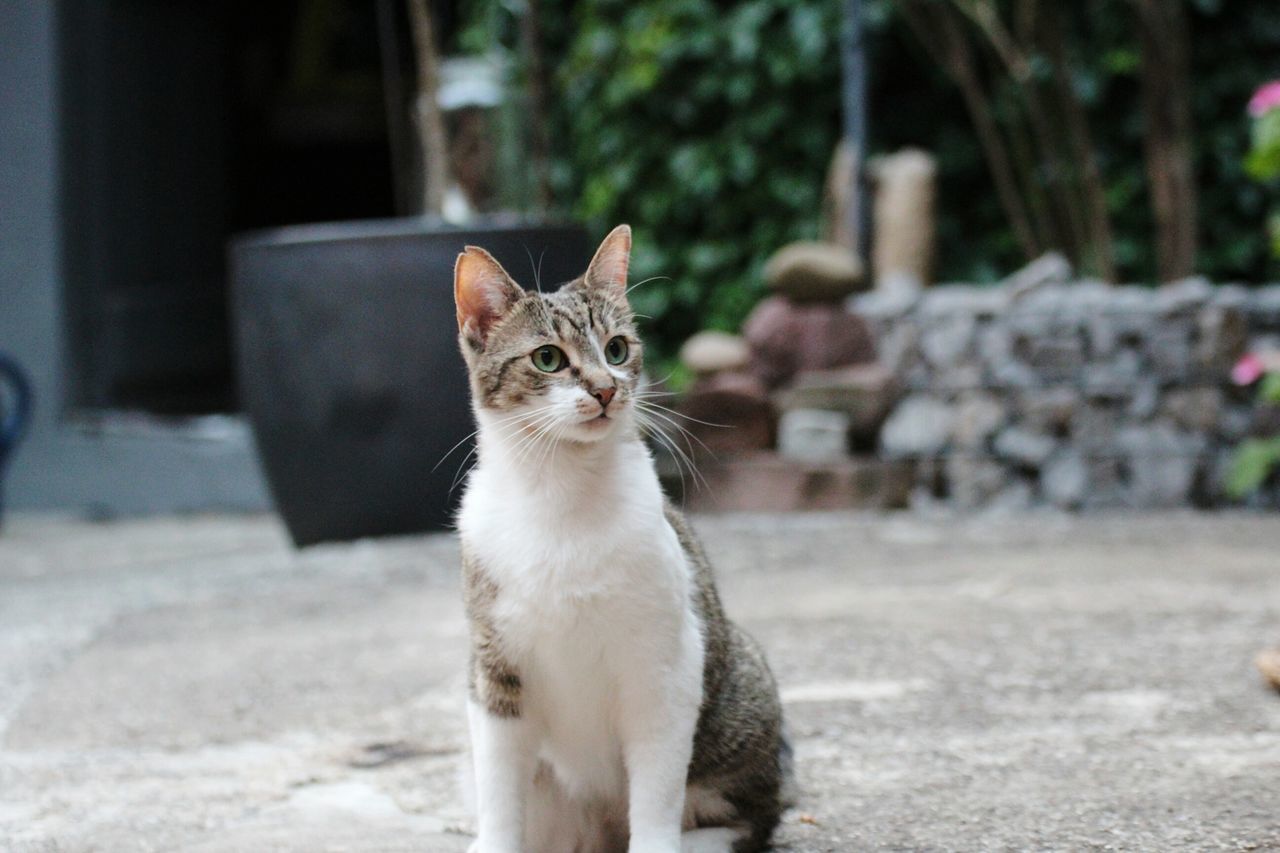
(561, 314)
(496, 384)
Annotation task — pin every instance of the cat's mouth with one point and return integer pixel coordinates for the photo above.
(599, 422)
(603, 420)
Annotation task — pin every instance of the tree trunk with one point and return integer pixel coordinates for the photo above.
(435, 146)
(936, 27)
(1166, 104)
(1098, 220)
(539, 142)
(1068, 219)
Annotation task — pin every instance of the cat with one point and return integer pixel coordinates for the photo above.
(612, 706)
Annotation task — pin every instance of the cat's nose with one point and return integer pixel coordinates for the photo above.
(604, 395)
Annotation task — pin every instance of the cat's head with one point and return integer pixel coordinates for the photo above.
(564, 365)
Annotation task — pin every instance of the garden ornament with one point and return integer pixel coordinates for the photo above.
(15, 409)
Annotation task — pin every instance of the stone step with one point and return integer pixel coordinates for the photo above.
(768, 482)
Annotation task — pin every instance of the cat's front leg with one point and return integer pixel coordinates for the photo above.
(502, 752)
(657, 725)
(502, 743)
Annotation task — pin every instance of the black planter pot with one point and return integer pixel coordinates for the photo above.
(349, 366)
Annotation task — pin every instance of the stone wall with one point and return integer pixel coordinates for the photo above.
(1072, 393)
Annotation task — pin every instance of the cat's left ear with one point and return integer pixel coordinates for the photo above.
(608, 269)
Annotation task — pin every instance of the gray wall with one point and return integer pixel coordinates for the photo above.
(104, 463)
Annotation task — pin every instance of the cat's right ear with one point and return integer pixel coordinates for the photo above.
(483, 293)
(608, 269)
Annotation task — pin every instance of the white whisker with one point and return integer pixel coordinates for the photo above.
(460, 476)
(662, 439)
(527, 445)
(686, 433)
(537, 430)
(455, 447)
(502, 420)
(537, 269)
(504, 427)
(651, 404)
(646, 281)
(681, 457)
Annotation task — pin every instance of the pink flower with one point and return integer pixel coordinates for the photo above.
(1248, 370)
(1266, 98)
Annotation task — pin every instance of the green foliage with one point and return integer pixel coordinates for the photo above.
(1233, 48)
(1254, 461)
(1252, 464)
(1269, 390)
(708, 127)
(1263, 164)
(1263, 161)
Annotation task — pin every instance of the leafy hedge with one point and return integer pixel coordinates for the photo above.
(709, 126)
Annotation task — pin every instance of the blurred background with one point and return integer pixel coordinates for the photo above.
(141, 138)
(1005, 267)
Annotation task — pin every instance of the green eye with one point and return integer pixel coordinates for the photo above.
(616, 350)
(549, 359)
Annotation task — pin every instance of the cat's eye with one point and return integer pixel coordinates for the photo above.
(616, 350)
(549, 359)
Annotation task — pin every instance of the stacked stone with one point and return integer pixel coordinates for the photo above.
(727, 410)
(1072, 393)
(817, 358)
(807, 366)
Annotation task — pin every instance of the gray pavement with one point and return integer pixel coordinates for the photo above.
(1034, 682)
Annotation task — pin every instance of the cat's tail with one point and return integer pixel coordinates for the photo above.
(789, 792)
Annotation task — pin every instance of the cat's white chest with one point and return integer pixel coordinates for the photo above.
(593, 604)
(574, 670)
(580, 654)
(575, 536)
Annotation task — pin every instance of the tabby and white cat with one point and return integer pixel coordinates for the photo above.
(612, 705)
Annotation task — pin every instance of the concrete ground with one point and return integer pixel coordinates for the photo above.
(1035, 682)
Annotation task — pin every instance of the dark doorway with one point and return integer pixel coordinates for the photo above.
(184, 122)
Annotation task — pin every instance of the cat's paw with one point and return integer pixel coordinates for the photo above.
(479, 847)
(711, 840)
(641, 845)
(502, 844)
